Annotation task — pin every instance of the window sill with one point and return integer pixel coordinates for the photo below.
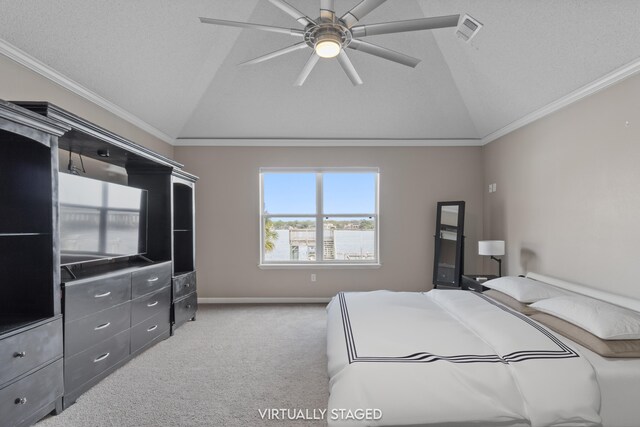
(318, 266)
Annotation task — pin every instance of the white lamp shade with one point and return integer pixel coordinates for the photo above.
(491, 247)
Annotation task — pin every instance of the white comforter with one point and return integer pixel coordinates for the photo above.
(450, 358)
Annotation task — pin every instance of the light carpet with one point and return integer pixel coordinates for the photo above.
(220, 370)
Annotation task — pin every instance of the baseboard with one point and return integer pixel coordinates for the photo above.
(263, 300)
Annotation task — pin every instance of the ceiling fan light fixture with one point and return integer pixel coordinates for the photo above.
(329, 36)
(328, 46)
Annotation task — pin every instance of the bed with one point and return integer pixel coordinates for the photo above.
(460, 358)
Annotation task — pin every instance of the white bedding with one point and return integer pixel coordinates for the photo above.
(451, 358)
(619, 382)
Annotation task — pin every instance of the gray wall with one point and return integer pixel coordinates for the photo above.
(567, 204)
(412, 181)
(568, 192)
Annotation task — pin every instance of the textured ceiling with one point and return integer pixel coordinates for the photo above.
(154, 59)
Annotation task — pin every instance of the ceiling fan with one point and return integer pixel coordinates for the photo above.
(329, 36)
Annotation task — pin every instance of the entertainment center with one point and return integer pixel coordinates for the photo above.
(127, 278)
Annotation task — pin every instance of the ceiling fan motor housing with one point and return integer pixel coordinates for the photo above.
(327, 31)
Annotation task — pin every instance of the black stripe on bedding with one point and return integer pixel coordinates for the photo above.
(564, 351)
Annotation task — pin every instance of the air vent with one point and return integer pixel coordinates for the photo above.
(468, 28)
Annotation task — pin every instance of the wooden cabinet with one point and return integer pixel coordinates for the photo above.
(114, 308)
(30, 325)
(184, 296)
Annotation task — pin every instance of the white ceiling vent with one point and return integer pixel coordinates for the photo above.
(468, 28)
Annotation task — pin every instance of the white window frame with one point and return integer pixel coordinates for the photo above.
(318, 217)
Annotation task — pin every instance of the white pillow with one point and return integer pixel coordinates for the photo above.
(523, 289)
(604, 320)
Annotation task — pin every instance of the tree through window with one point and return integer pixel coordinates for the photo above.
(326, 216)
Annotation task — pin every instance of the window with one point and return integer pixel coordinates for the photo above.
(319, 216)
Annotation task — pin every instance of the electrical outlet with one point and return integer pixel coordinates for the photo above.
(313, 277)
(490, 188)
(493, 187)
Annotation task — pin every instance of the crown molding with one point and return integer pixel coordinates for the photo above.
(602, 83)
(327, 142)
(46, 71)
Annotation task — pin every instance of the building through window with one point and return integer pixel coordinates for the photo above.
(319, 216)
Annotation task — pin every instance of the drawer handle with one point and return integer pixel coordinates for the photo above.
(153, 279)
(188, 306)
(20, 401)
(106, 294)
(153, 304)
(153, 328)
(187, 285)
(99, 358)
(97, 328)
(20, 354)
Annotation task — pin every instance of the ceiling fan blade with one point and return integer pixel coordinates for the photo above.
(403, 26)
(348, 68)
(362, 9)
(290, 31)
(313, 60)
(327, 9)
(275, 54)
(385, 53)
(292, 11)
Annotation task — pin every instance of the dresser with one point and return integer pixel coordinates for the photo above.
(109, 318)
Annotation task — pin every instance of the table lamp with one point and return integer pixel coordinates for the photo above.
(492, 248)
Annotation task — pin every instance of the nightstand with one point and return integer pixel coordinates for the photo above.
(470, 282)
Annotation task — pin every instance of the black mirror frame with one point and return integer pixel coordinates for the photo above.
(459, 263)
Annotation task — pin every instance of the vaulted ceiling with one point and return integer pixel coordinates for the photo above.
(154, 59)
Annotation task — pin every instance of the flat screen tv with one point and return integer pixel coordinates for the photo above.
(100, 220)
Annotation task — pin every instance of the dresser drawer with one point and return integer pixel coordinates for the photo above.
(27, 350)
(184, 285)
(90, 330)
(185, 309)
(150, 279)
(86, 365)
(86, 297)
(150, 305)
(148, 330)
(22, 399)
